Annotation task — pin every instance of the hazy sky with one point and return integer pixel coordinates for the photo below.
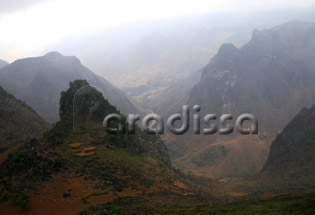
(28, 26)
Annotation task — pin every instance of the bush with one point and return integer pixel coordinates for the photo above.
(115, 209)
(22, 200)
(17, 157)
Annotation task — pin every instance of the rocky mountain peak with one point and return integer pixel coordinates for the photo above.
(226, 50)
(59, 58)
(270, 77)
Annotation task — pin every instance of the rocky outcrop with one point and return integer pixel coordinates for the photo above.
(292, 152)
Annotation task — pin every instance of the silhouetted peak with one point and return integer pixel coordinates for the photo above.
(227, 50)
(257, 34)
(53, 54)
(56, 56)
(284, 31)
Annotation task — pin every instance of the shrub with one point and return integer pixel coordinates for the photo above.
(115, 209)
(22, 200)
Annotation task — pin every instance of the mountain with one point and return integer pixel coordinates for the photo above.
(39, 80)
(292, 152)
(146, 57)
(90, 109)
(272, 77)
(290, 164)
(18, 121)
(2, 63)
(87, 170)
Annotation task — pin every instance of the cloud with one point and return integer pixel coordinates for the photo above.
(8, 6)
(34, 24)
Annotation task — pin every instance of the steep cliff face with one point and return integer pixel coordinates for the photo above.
(38, 81)
(17, 120)
(271, 77)
(292, 152)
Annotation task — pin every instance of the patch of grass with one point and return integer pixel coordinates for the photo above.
(22, 200)
(115, 209)
(130, 164)
(18, 157)
(283, 205)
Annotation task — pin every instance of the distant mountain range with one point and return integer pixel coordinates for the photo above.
(271, 77)
(146, 57)
(38, 81)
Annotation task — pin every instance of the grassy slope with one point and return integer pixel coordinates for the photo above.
(281, 205)
(106, 154)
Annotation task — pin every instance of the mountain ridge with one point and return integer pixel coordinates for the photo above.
(39, 80)
(269, 77)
